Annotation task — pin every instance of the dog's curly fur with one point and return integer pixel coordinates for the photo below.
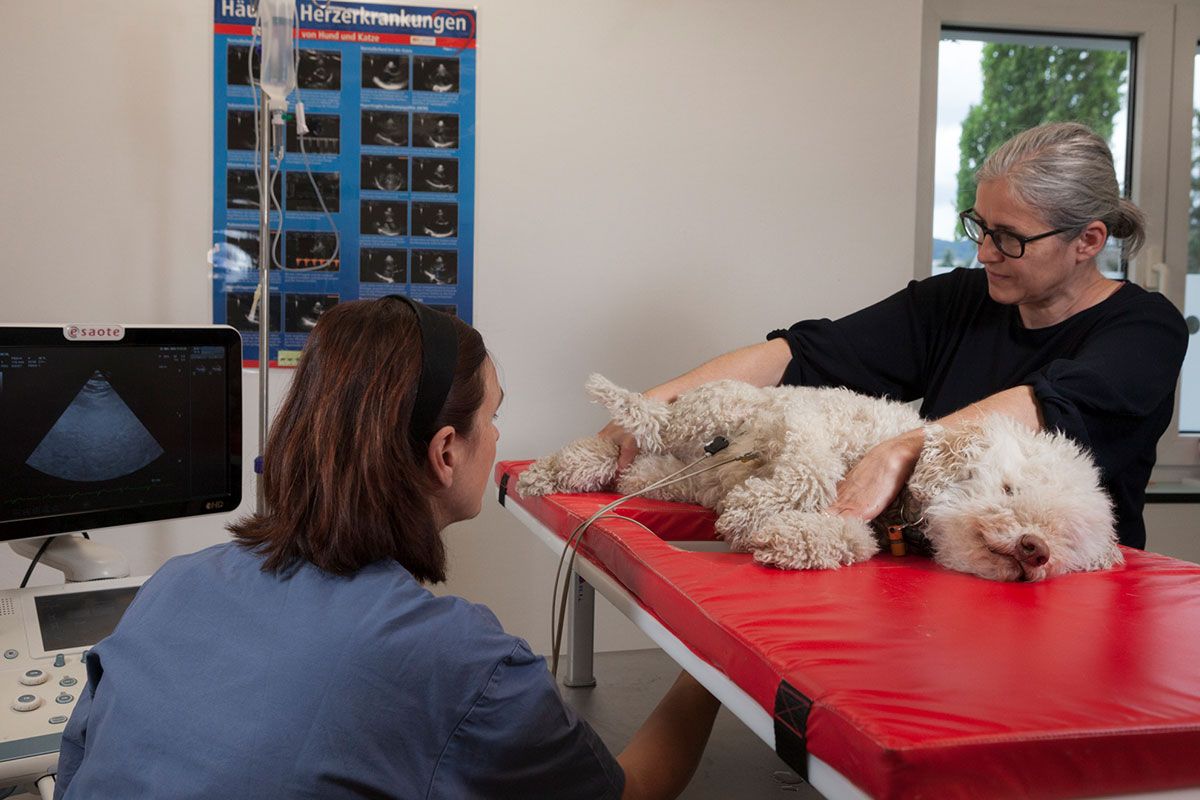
(994, 498)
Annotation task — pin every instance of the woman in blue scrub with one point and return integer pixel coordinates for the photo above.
(305, 659)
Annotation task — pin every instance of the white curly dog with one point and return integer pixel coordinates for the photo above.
(992, 498)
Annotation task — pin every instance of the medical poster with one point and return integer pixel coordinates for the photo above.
(378, 198)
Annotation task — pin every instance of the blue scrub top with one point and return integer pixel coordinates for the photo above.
(223, 680)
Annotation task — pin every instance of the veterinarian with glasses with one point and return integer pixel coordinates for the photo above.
(306, 660)
(1039, 333)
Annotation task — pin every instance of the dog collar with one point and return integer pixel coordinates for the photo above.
(902, 538)
(901, 529)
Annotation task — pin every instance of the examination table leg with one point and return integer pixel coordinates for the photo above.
(581, 624)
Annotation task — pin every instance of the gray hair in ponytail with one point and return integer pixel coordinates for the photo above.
(1065, 172)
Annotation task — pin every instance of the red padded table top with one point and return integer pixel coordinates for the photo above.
(925, 682)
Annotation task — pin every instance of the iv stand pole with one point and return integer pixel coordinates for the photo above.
(264, 285)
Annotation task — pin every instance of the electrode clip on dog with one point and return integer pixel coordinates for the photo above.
(991, 497)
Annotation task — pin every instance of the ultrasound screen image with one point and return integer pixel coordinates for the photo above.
(97, 438)
(107, 428)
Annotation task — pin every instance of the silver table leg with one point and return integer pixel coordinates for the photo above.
(581, 625)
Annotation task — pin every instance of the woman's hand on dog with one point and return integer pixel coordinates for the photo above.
(873, 483)
(629, 448)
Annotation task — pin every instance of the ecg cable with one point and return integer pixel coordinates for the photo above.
(572, 543)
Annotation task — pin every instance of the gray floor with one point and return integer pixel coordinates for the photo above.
(737, 764)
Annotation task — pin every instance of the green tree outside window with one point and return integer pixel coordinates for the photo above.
(1026, 86)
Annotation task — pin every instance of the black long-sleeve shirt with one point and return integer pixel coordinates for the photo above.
(1105, 376)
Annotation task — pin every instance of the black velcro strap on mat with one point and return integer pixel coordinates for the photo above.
(503, 487)
(791, 726)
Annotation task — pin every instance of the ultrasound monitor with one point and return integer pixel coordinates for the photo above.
(111, 426)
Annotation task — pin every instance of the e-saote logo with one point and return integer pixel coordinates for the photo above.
(94, 333)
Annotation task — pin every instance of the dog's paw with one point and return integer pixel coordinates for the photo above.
(798, 540)
(585, 465)
(539, 478)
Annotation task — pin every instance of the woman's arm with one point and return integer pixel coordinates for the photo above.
(664, 753)
(870, 487)
(759, 364)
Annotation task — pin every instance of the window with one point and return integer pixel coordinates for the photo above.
(1189, 382)
(1153, 136)
(992, 84)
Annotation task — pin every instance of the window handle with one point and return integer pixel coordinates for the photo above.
(1156, 275)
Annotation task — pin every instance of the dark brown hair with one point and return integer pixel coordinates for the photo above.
(345, 483)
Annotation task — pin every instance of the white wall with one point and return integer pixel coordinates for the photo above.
(659, 180)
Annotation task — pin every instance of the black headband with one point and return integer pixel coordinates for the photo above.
(439, 359)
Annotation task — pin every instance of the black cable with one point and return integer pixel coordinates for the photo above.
(45, 543)
(84, 534)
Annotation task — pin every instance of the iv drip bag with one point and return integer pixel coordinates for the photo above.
(277, 19)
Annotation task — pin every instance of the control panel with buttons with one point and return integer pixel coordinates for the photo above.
(45, 633)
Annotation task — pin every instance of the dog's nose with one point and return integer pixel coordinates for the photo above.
(1032, 550)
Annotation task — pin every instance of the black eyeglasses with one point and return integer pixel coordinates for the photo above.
(1007, 242)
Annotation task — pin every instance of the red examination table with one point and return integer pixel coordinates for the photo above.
(896, 678)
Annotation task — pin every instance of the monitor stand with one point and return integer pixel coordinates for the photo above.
(78, 559)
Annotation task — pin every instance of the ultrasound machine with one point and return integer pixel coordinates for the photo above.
(99, 426)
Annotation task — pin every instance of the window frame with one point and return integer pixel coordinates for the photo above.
(1165, 34)
(1179, 449)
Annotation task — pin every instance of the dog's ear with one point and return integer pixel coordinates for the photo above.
(643, 417)
(946, 458)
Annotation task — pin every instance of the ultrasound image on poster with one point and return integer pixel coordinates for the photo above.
(387, 71)
(435, 74)
(383, 265)
(242, 312)
(324, 135)
(435, 175)
(384, 127)
(319, 69)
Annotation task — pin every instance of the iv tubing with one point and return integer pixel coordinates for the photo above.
(265, 255)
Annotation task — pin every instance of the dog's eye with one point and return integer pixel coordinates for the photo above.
(1008, 490)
